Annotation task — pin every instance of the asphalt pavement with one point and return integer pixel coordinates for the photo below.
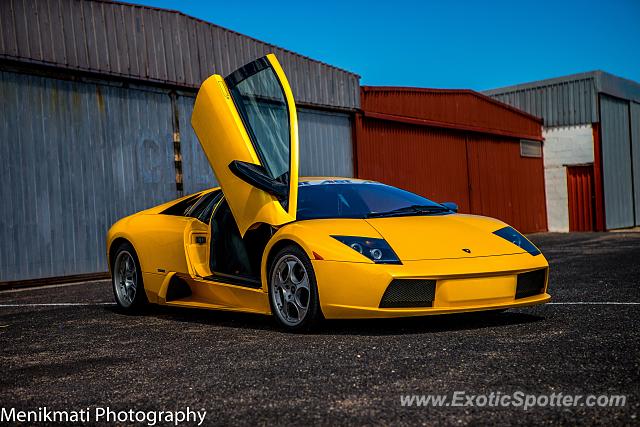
(68, 347)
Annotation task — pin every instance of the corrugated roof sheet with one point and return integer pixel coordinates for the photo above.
(568, 100)
(452, 108)
(151, 44)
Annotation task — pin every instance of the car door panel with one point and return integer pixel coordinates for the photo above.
(240, 121)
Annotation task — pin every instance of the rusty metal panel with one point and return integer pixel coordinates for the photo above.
(505, 185)
(463, 109)
(581, 196)
(79, 156)
(617, 172)
(429, 162)
(147, 43)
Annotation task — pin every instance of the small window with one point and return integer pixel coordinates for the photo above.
(203, 209)
(529, 148)
(180, 208)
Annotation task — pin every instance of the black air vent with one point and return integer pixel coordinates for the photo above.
(409, 293)
(531, 283)
(178, 289)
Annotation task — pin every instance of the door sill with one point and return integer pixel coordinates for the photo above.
(230, 279)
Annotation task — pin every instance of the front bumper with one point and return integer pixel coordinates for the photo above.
(355, 290)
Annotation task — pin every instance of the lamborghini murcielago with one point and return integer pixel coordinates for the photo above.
(267, 241)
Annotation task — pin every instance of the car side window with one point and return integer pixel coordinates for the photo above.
(182, 207)
(204, 208)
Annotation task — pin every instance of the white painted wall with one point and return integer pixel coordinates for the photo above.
(569, 145)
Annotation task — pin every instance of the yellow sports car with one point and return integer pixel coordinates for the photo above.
(303, 249)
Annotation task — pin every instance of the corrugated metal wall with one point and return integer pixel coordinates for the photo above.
(483, 174)
(84, 150)
(326, 148)
(153, 44)
(635, 155)
(196, 171)
(453, 144)
(505, 185)
(87, 154)
(616, 163)
(435, 159)
(562, 103)
(78, 156)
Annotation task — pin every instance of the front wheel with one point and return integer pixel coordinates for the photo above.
(128, 288)
(293, 291)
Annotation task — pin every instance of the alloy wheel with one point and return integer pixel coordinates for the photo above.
(125, 279)
(290, 291)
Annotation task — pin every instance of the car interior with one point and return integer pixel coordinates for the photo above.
(232, 256)
(233, 259)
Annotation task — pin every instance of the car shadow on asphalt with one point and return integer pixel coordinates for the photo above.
(362, 327)
(428, 324)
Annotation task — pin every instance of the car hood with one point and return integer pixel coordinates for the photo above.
(443, 236)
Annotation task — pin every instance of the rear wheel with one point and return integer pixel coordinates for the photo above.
(126, 277)
(293, 292)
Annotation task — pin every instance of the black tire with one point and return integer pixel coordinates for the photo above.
(138, 298)
(313, 315)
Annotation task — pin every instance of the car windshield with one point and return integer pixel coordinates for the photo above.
(347, 199)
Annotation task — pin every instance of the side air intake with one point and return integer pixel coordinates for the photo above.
(178, 289)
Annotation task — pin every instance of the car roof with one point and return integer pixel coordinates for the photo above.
(331, 180)
(317, 180)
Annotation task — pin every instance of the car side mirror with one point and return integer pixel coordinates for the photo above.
(257, 176)
(451, 206)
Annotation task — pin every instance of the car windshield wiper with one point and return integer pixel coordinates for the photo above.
(413, 209)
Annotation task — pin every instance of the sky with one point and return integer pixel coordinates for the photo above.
(441, 44)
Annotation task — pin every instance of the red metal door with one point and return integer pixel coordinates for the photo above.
(581, 198)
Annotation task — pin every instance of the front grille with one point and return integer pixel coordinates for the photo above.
(409, 293)
(531, 283)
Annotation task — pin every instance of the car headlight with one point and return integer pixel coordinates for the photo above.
(377, 250)
(510, 234)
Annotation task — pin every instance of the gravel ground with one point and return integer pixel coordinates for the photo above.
(243, 370)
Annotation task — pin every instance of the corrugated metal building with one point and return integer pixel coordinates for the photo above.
(459, 146)
(592, 147)
(96, 98)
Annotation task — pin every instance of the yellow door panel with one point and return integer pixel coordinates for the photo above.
(197, 245)
(160, 252)
(247, 126)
